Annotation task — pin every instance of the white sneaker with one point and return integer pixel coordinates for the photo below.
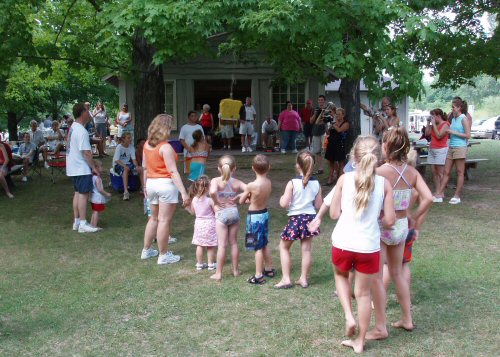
(212, 266)
(149, 253)
(249, 149)
(294, 151)
(24, 179)
(86, 228)
(172, 240)
(76, 225)
(46, 164)
(168, 258)
(229, 147)
(243, 149)
(126, 196)
(455, 200)
(201, 266)
(283, 151)
(437, 199)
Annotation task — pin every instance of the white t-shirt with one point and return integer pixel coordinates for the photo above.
(361, 233)
(100, 117)
(250, 112)
(78, 141)
(186, 134)
(303, 198)
(269, 127)
(124, 154)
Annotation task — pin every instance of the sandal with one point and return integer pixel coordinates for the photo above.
(256, 281)
(270, 273)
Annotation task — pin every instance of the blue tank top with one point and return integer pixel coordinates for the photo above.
(456, 125)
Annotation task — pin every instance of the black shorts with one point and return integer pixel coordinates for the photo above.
(308, 130)
(83, 184)
(207, 131)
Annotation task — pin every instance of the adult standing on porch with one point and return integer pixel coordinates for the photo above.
(247, 120)
(289, 125)
(186, 137)
(305, 114)
(80, 166)
(207, 122)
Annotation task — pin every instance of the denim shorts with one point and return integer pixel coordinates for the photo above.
(83, 183)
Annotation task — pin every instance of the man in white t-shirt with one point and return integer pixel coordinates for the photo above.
(124, 161)
(186, 137)
(269, 130)
(80, 166)
(247, 120)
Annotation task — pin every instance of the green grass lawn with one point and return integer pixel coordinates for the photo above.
(64, 293)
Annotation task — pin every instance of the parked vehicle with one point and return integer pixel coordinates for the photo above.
(496, 132)
(484, 129)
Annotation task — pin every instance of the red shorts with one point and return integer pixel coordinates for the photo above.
(98, 207)
(366, 263)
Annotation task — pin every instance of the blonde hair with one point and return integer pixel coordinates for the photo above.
(226, 165)
(366, 152)
(305, 161)
(159, 129)
(98, 163)
(397, 144)
(199, 187)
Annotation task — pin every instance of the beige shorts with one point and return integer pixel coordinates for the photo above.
(161, 190)
(227, 131)
(457, 153)
(317, 144)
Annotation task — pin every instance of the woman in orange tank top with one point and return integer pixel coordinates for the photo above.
(162, 184)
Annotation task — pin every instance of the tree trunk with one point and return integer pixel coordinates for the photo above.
(349, 100)
(149, 91)
(12, 126)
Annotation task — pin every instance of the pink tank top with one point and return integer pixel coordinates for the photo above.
(202, 208)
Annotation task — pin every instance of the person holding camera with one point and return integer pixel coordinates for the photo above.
(336, 149)
(322, 115)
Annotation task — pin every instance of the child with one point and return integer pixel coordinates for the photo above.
(198, 152)
(98, 195)
(302, 197)
(359, 198)
(204, 235)
(258, 193)
(224, 192)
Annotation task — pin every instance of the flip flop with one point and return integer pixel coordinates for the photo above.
(270, 273)
(285, 286)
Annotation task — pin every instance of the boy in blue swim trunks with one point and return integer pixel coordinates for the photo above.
(257, 193)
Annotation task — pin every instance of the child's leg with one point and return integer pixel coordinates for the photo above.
(259, 263)
(386, 278)
(222, 240)
(211, 255)
(268, 264)
(199, 254)
(286, 263)
(407, 274)
(379, 331)
(95, 218)
(394, 259)
(362, 291)
(344, 294)
(151, 226)
(305, 246)
(235, 253)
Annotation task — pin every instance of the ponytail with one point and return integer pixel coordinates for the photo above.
(226, 165)
(305, 161)
(226, 172)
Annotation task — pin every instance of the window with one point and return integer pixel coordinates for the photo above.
(170, 107)
(293, 92)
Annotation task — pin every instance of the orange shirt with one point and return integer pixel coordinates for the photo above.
(155, 164)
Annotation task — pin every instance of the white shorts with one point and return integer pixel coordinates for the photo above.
(437, 156)
(246, 127)
(227, 131)
(317, 144)
(161, 190)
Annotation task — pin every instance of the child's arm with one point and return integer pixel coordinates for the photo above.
(335, 209)
(425, 202)
(245, 196)
(189, 208)
(318, 201)
(389, 217)
(286, 199)
(325, 206)
(98, 183)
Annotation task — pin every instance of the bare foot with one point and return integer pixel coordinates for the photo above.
(283, 285)
(350, 327)
(302, 283)
(236, 272)
(356, 345)
(216, 277)
(376, 334)
(404, 325)
(10, 195)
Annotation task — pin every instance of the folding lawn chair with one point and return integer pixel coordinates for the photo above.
(57, 164)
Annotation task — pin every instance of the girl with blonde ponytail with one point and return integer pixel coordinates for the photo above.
(359, 198)
(224, 192)
(302, 198)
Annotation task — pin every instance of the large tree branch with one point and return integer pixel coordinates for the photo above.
(64, 21)
(95, 5)
(74, 60)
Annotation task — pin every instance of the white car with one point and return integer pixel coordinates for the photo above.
(483, 129)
